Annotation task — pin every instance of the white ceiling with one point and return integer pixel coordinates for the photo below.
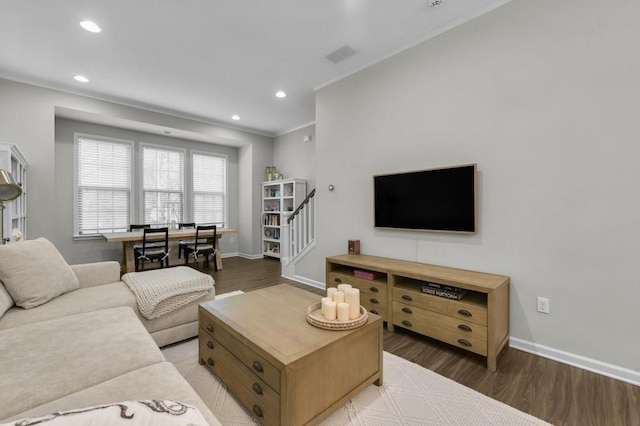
(210, 59)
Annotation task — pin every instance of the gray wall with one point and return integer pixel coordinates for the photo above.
(544, 97)
(84, 251)
(27, 119)
(296, 158)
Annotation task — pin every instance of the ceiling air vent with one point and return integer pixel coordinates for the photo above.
(341, 54)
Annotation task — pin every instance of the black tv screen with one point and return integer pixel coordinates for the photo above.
(442, 199)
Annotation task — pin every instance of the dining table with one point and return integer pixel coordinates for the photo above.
(128, 239)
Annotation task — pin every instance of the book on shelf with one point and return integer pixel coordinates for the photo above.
(442, 286)
(448, 294)
(367, 275)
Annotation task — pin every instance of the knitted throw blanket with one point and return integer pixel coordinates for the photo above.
(161, 291)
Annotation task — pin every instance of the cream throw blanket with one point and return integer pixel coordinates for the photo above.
(161, 291)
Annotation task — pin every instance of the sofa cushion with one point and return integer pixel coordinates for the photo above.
(155, 381)
(47, 360)
(102, 297)
(157, 412)
(34, 272)
(6, 301)
(76, 302)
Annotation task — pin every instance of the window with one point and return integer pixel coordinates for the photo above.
(103, 185)
(209, 189)
(162, 185)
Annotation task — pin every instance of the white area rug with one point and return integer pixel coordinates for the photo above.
(411, 395)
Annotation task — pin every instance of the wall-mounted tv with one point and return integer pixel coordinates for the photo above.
(442, 199)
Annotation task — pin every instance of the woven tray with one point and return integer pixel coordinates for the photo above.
(315, 318)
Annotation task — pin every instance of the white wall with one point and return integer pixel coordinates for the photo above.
(544, 97)
(27, 119)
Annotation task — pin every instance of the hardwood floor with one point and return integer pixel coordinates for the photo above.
(552, 391)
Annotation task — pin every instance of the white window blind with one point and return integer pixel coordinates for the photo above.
(162, 185)
(103, 183)
(209, 189)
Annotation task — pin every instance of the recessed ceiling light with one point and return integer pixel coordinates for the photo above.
(81, 78)
(235, 117)
(281, 94)
(90, 26)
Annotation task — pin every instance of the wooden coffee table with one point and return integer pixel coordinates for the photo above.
(284, 370)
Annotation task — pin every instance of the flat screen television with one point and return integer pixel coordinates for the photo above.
(442, 199)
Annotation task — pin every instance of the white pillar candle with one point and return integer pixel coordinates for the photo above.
(343, 312)
(338, 297)
(331, 291)
(330, 311)
(352, 297)
(343, 287)
(322, 303)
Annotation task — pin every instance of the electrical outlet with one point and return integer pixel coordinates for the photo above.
(543, 305)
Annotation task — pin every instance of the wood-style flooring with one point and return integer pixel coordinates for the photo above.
(557, 393)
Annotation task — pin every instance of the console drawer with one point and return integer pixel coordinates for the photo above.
(467, 310)
(464, 334)
(254, 393)
(258, 365)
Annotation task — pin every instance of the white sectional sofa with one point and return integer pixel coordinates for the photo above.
(86, 347)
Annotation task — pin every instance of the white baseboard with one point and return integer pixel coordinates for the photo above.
(307, 281)
(595, 366)
(246, 256)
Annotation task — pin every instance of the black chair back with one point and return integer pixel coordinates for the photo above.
(134, 227)
(150, 235)
(206, 235)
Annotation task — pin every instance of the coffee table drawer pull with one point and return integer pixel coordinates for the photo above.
(407, 323)
(374, 300)
(464, 342)
(407, 297)
(210, 361)
(374, 289)
(464, 312)
(257, 411)
(257, 389)
(257, 366)
(407, 310)
(338, 280)
(210, 328)
(210, 344)
(464, 327)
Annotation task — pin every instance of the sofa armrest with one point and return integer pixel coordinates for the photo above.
(98, 273)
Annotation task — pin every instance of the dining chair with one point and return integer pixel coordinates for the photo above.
(183, 243)
(204, 245)
(159, 251)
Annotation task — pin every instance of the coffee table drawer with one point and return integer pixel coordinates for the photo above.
(254, 393)
(258, 365)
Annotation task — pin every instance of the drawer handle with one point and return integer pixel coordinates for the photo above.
(407, 297)
(257, 411)
(257, 366)
(210, 344)
(464, 327)
(374, 289)
(374, 300)
(407, 323)
(464, 312)
(407, 310)
(257, 389)
(338, 280)
(210, 361)
(373, 311)
(464, 342)
(210, 328)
